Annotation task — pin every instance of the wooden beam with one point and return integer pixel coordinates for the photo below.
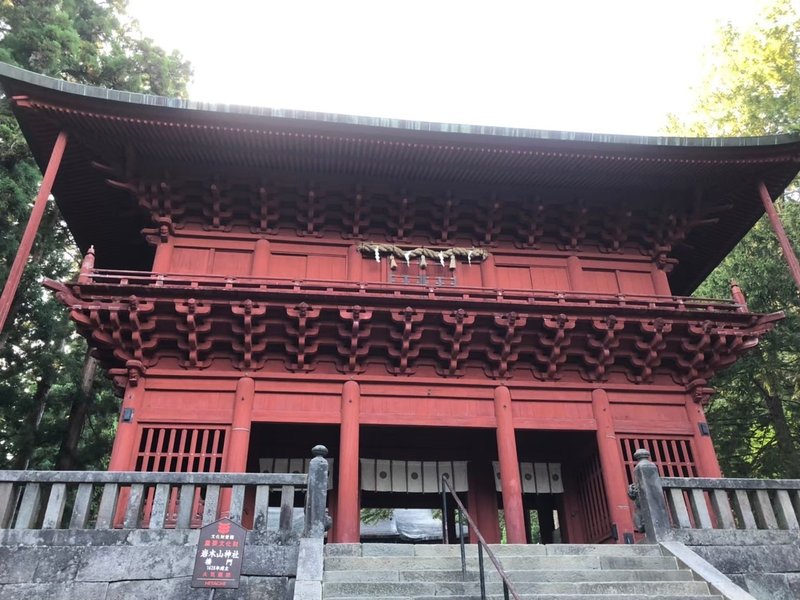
(780, 232)
(28, 237)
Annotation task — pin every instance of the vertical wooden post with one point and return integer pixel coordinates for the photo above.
(87, 264)
(575, 272)
(705, 455)
(738, 296)
(780, 232)
(612, 465)
(355, 263)
(489, 273)
(482, 499)
(28, 237)
(260, 259)
(660, 281)
(162, 262)
(348, 514)
(239, 441)
(122, 453)
(509, 467)
(573, 531)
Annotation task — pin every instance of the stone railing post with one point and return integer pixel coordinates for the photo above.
(308, 584)
(650, 503)
(316, 494)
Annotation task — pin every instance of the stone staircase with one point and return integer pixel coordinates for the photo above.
(554, 572)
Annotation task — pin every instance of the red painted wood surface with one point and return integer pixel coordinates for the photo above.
(348, 517)
(509, 468)
(264, 313)
(613, 472)
(29, 235)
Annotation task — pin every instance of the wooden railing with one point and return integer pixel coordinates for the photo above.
(671, 504)
(136, 500)
(255, 285)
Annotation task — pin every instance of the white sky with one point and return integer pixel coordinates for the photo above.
(612, 66)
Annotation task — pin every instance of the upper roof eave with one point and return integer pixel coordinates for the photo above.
(11, 76)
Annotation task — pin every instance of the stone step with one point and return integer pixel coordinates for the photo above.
(415, 589)
(514, 576)
(510, 563)
(542, 597)
(500, 550)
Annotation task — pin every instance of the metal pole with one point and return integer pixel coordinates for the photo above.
(445, 535)
(463, 550)
(481, 572)
(780, 232)
(28, 237)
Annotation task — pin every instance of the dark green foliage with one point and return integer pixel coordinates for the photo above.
(41, 358)
(753, 88)
(754, 415)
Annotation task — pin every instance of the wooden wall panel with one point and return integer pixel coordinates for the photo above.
(469, 275)
(189, 260)
(632, 282)
(443, 412)
(287, 266)
(295, 402)
(598, 281)
(333, 268)
(371, 270)
(513, 278)
(553, 415)
(231, 263)
(550, 278)
(195, 406)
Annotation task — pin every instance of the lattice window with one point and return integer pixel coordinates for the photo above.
(674, 456)
(596, 521)
(181, 449)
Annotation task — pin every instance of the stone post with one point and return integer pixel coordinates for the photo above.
(650, 501)
(310, 556)
(316, 494)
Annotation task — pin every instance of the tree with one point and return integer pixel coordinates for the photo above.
(753, 88)
(48, 391)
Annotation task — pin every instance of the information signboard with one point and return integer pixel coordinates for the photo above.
(220, 551)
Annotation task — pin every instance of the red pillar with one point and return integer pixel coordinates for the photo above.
(783, 239)
(575, 272)
(28, 237)
(239, 440)
(260, 259)
(348, 514)
(163, 259)
(705, 456)
(122, 453)
(509, 467)
(612, 466)
(482, 501)
(660, 281)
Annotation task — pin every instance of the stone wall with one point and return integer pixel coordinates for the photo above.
(765, 563)
(121, 564)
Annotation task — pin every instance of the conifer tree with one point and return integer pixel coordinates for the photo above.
(752, 89)
(54, 411)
